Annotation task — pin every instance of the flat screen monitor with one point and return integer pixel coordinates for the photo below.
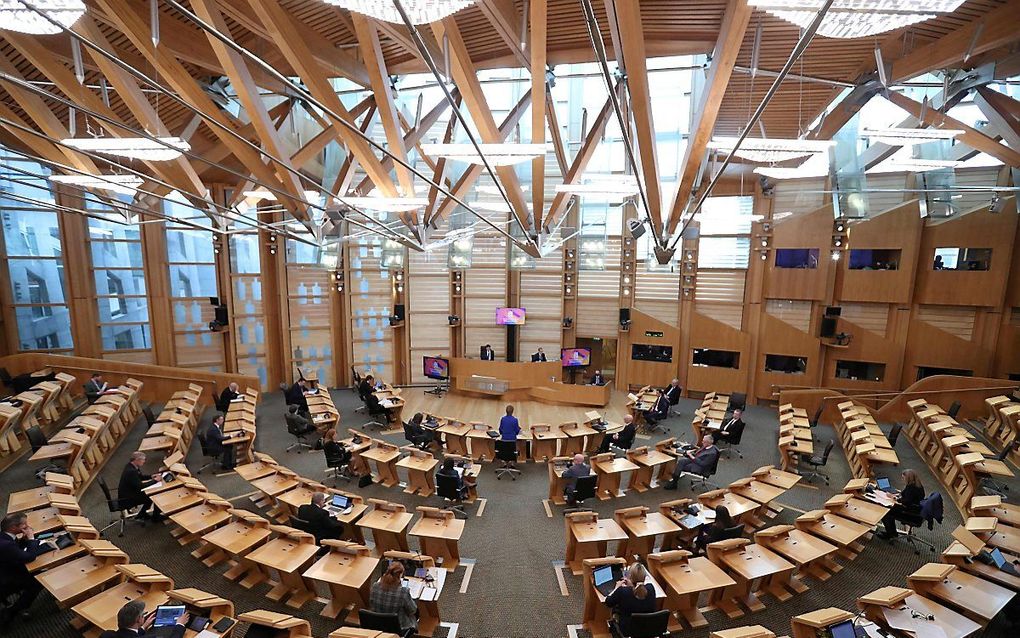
(436, 368)
(510, 316)
(844, 629)
(575, 357)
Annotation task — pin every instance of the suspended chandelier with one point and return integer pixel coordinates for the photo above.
(857, 18)
(770, 150)
(602, 185)
(419, 11)
(123, 184)
(909, 136)
(260, 194)
(18, 16)
(140, 148)
(497, 154)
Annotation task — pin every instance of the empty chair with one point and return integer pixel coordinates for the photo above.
(124, 514)
(954, 409)
(819, 461)
(382, 622)
(37, 440)
(448, 488)
(894, 434)
(650, 625)
(584, 488)
(506, 452)
(992, 486)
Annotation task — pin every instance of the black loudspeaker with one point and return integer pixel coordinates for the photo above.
(624, 315)
(221, 315)
(398, 312)
(828, 327)
(511, 343)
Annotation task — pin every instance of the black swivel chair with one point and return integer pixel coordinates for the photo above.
(5, 378)
(453, 497)
(584, 488)
(419, 441)
(506, 451)
(375, 409)
(819, 461)
(993, 487)
(300, 440)
(703, 479)
(894, 434)
(208, 453)
(738, 401)
(731, 441)
(954, 409)
(390, 623)
(36, 439)
(650, 625)
(124, 514)
(339, 466)
(733, 532)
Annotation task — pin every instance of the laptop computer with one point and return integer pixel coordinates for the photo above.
(341, 504)
(606, 578)
(167, 615)
(1002, 563)
(844, 629)
(883, 483)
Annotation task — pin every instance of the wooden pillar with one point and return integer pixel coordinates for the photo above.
(157, 284)
(401, 336)
(79, 287)
(275, 304)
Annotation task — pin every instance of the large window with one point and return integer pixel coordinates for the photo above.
(34, 258)
(308, 286)
(248, 321)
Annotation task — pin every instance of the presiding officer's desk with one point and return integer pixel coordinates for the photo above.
(539, 381)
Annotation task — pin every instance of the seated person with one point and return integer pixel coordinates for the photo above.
(731, 428)
(297, 424)
(698, 461)
(716, 531)
(229, 394)
(133, 621)
(389, 596)
(908, 504)
(631, 596)
(673, 392)
(18, 547)
(448, 469)
(538, 356)
(416, 433)
(376, 407)
(577, 469)
(659, 411)
(321, 524)
(129, 489)
(331, 448)
(95, 387)
(488, 354)
(214, 442)
(366, 387)
(597, 378)
(624, 438)
(296, 395)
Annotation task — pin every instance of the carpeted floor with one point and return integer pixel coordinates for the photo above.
(513, 589)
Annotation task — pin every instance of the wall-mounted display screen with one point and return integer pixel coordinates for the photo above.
(509, 316)
(575, 357)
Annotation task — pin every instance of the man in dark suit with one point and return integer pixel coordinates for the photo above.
(732, 427)
(214, 442)
(229, 394)
(538, 356)
(321, 523)
(659, 411)
(673, 392)
(624, 438)
(367, 387)
(129, 489)
(18, 547)
(296, 395)
(698, 461)
(297, 424)
(487, 353)
(132, 621)
(597, 378)
(95, 387)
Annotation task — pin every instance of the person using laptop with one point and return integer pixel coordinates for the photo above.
(133, 621)
(631, 596)
(389, 596)
(908, 504)
(577, 469)
(320, 523)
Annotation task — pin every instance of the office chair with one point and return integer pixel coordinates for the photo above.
(657, 418)
(813, 423)
(738, 401)
(912, 522)
(375, 409)
(123, 513)
(453, 497)
(506, 451)
(732, 440)
(339, 467)
(150, 416)
(703, 479)
(894, 434)
(733, 532)
(299, 441)
(954, 409)
(650, 625)
(584, 488)
(819, 461)
(207, 452)
(419, 441)
(36, 439)
(5, 378)
(390, 623)
(990, 485)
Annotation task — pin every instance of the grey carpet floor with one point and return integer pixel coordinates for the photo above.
(513, 590)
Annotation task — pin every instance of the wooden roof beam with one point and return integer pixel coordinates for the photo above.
(537, 49)
(727, 47)
(218, 151)
(995, 29)
(843, 112)
(504, 18)
(1002, 112)
(342, 183)
(442, 172)
(466, 78)
(970, 136)
(297, 48)
(375, 63)
(37, 144)
(322, 139)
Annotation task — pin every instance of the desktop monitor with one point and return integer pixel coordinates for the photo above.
(843, 629)
(509, 316)
(575, 357)
(436, 368)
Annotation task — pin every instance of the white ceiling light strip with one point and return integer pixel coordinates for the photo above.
(19, 16)
(123, 184)
(909, 136)
(857, 18)
(419, 11)
(497, 154)
(160, 149)
(770, 150)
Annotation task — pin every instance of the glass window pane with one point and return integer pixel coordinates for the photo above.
(123, 309)
(119, 282)
(100, 229)
(31, 233)
(189, 246)
(44, 331)
(244, 254)
(193, 281)
(116, 254)
(126, 337)
(723, 252)
(37, 280)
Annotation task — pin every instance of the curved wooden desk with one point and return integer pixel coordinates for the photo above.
(522, 381)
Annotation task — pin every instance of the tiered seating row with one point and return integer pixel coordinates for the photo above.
(795, 437)
(174, 428)
(43, 404)
(863, 441)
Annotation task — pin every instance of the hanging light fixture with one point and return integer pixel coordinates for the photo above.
(909, 136)
(497, 154)
(123, 184)
(386, 204)
(419, 11)
(770, 150)
(140, 148)
(781, 172)
(260, 194)
(857, 18)
(18, 16)
(918, 165)
(604, 185)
